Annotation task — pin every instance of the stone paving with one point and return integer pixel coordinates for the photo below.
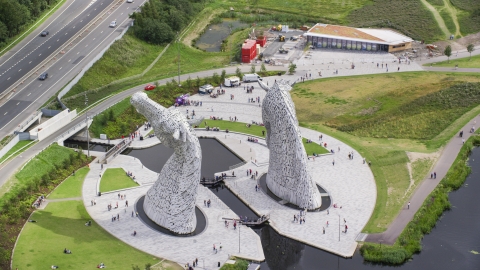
(178, 249)
(350, 184)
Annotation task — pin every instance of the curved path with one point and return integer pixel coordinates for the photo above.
(438, 18)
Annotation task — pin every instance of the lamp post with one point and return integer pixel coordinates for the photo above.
(338, 228)
(239, 225)
(86, 123)
(178, 57)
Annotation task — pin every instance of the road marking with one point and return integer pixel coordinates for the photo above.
(81, 21)
(18, 103)
(60, 68)
(74, 27)
(69, 60)
(101, 32)
(78, 52)
(8, 78)
(122, 13)
(29, 94)
(86, 45)
(49, 47)
(19, 70)
(88, 15)
(40, 85)
(39, 54)
(93, 38)
(58, 40)
(6, 113)
(66, 34)
(30, 62)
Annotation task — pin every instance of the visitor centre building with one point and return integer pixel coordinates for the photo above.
(349, 38)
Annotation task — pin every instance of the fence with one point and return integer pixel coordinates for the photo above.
(114, 151)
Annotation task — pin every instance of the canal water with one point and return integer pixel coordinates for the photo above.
(452, 244)
(211, 40)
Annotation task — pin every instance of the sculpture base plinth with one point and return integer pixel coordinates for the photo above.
(326, 200)
(201, 221)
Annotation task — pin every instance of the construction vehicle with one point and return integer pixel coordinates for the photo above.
(281, 38)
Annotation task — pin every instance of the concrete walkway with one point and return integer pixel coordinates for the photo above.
(177, 249)
(350, 184)
(448, 156)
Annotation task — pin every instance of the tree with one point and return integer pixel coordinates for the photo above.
(154, 31)
(238, 72)
(448, 52)
(470, 49)
(291, 68)
(263, 69)
(252, 69)
(223, 76)
(198, 82)
(215, 78)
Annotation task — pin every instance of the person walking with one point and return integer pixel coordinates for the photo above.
(408, 205)
(323, 230)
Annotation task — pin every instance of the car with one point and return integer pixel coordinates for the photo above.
(149, 87)
(44, 33)
(129, 1)
(113, 24)
(207, 88)
(43, 76)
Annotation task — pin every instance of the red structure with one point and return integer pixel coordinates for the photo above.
(249, 50)
(262, 40)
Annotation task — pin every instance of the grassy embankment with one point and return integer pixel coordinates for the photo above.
(385, 116)
(29, 28)
(15, 148)
(39, 176)
(409, 242)
(115, 179)
(465, 62)
(239, 265)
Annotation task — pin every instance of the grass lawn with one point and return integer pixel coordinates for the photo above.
(114, 179)
(465, 62)
(235, 126)
(332, 105)
(16, 147)
(313, 147)
(61, 225)
(72, 186)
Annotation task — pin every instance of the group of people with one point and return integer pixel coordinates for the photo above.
(130, 174)
(207, 128)
(194, 264)
(214, 118)
(252, 100)
(300, 217)
(249, 89)
(39, 201)
(207, 203)
(251, 139)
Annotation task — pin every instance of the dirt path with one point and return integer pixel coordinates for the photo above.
(438, 18)
(453, 13)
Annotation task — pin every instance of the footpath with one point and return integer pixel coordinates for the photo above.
(447, 157)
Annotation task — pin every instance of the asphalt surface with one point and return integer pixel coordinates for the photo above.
(65, 26)
(33, 93)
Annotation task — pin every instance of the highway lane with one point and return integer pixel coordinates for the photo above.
(36, 92)
(15, 67)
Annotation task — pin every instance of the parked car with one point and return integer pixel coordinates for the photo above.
(44, 33)
(129, 1)
(113, 24)
(43, 76)
(207, 88)
(149, 87)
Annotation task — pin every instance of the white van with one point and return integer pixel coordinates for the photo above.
(253, 77)
(232, 81)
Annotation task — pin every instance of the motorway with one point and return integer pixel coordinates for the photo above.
(64, 27)
(75, 14)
